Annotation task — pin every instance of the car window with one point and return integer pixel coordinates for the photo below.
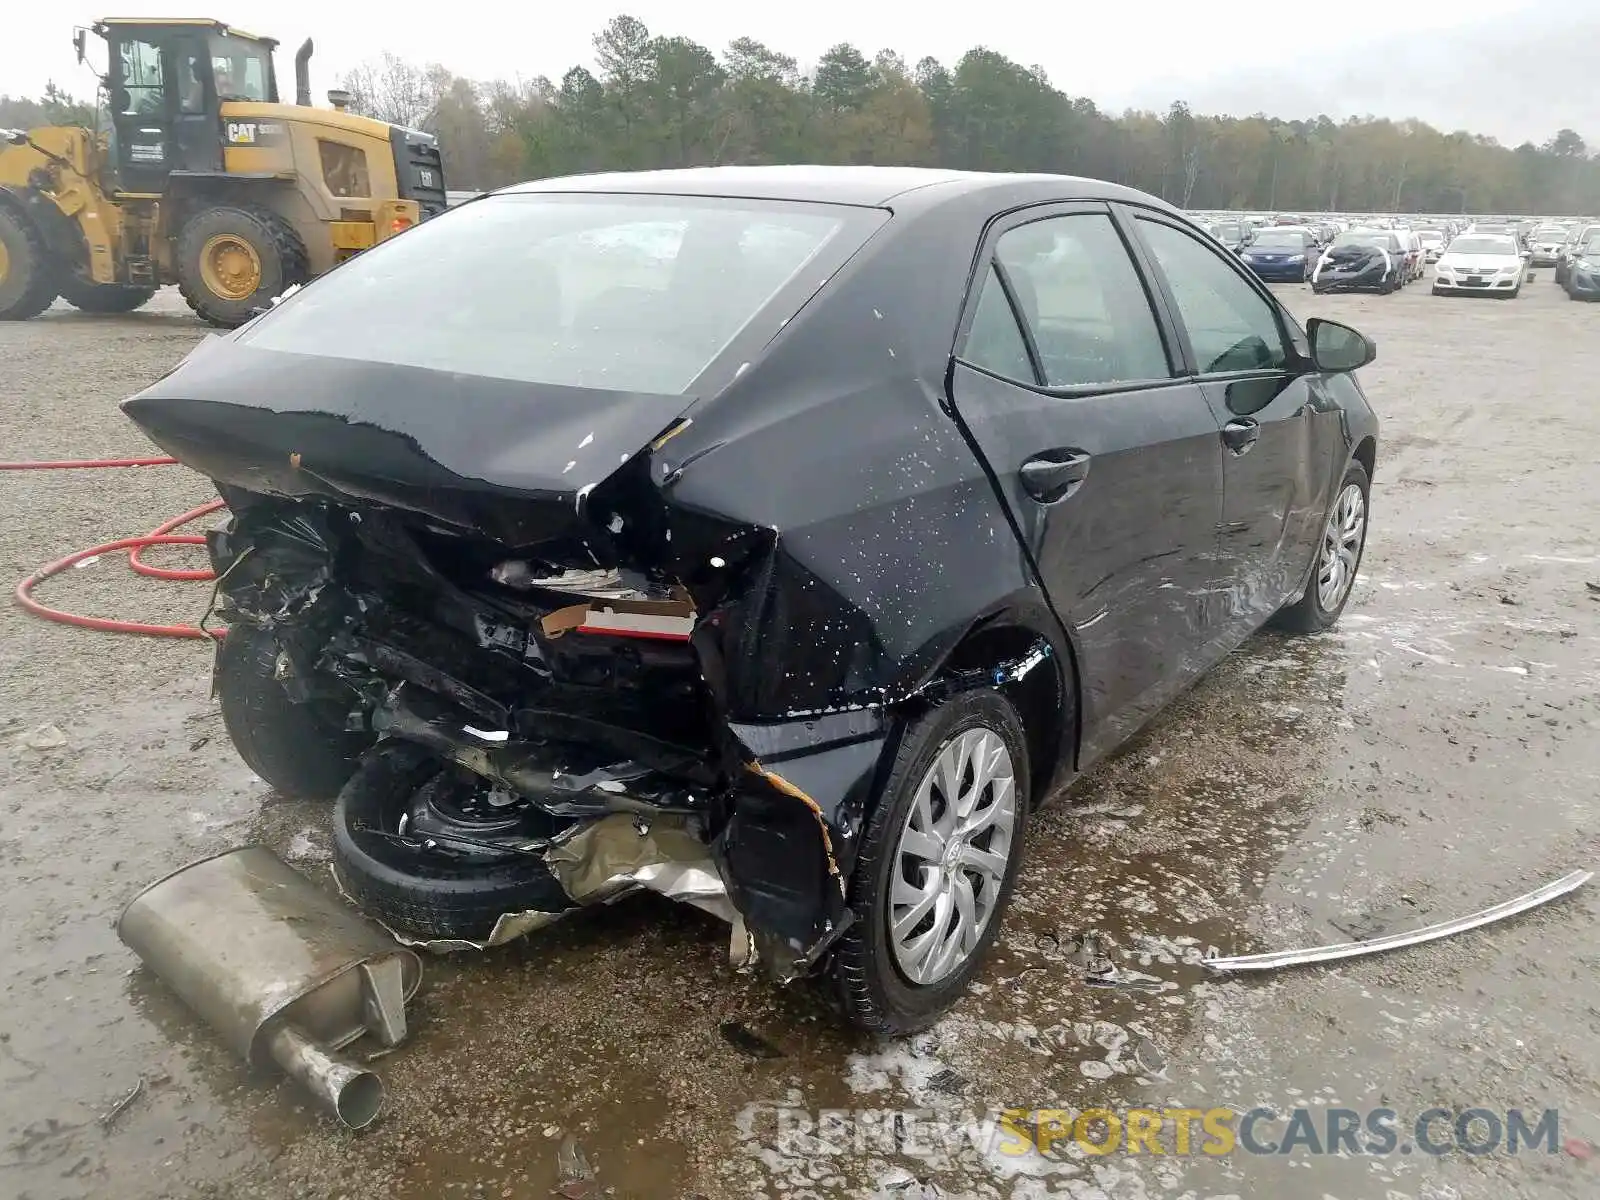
(1231, 327)
(1082, 300)
(596, 291)
(995, 341)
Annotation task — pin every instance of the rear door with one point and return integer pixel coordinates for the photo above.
(1281, 428)
(1108, 458)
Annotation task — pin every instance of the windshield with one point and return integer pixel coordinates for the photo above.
(1382, 241)
(1225, 229)
(242, 68)
(1281, 238)
(1429, 235)
(1550, 233)
(1482, 245)
(609, 292)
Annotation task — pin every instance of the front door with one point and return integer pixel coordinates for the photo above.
(1107, 457)
(141, 114)
(1274, 412)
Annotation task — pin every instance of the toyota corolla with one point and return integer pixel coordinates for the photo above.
(773, 539)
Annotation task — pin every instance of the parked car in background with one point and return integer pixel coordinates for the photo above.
(1578, 237)
(1583, 267)
(1282, 253)
(1415, 258)
(1433, 243)
(1545, 242)
(1235, 235)
(1369, 260)
(1481, 262)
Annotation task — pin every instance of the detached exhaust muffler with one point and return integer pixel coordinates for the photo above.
(285, 972)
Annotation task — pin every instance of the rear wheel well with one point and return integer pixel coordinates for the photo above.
(1367, 454)
(1045, 698)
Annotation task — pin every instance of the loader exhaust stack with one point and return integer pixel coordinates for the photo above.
(302, 74)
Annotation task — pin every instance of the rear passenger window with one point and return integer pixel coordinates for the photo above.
(1230, 326)
(994, 342)
(1083, 301)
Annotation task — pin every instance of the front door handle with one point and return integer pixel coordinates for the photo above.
(1240, 436)
(1053, 475)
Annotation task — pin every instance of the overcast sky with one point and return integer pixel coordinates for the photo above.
(1515, 69)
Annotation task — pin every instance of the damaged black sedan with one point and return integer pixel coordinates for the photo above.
(1361, 260)
(773, 539)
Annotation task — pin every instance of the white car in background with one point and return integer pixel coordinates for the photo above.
(1481, 262)
(1545, 244)
(1432, 243)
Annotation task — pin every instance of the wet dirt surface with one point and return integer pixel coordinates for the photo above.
(1435, 754)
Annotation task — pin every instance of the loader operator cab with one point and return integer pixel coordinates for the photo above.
(166, 83)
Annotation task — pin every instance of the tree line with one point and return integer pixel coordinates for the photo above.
(663, 101)
(655, 101)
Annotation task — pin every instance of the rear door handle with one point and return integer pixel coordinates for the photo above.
(1053, 475)
(1240, 436)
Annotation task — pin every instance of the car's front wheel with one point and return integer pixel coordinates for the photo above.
(1344, 540)
(937, 863)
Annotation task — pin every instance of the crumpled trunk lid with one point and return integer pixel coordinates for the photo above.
(508, 459)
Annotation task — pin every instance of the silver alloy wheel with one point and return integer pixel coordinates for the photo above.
(1341, 547)
(952, 856)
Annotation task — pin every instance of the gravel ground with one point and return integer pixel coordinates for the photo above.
(1435, 754)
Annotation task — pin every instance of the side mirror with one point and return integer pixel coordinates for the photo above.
(1336, 347)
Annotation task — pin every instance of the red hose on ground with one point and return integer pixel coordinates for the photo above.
(161, 535)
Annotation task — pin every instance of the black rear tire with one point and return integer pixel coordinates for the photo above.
(104, 297)
(28, 277)
(875, 994)
(300, 749)
(274, 242)
(416, 893)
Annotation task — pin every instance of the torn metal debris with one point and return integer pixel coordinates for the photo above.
(1316, 954)
(109, 1118)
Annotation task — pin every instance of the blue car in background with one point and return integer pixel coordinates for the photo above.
(1285, 254)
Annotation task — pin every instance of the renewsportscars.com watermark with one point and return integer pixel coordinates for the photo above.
(1055, 1133)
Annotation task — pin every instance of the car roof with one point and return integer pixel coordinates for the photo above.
(866, 186)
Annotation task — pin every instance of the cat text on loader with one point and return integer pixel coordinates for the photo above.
(202, 178)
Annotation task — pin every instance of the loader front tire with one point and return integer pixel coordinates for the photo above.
(27, 280)
(233, 259)
(104, 297)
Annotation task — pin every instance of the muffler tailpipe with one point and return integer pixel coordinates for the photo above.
(352, 1094)
(282, 970)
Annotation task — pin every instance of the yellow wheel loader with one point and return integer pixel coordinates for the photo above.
(201, 178)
